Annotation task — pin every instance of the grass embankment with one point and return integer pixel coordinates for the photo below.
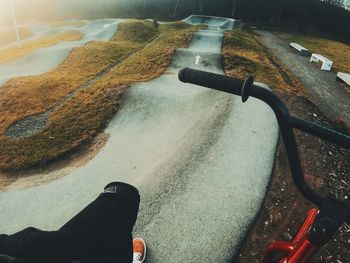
(244, 55)
(9, 36)
(26, 48)
(81, 118)
(76, 23)
(284, 209)
(336, 51)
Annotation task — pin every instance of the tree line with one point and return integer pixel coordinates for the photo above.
(328, 16)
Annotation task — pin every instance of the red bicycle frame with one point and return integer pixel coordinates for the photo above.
(300, 250)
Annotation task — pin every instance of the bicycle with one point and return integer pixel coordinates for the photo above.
(323, 222)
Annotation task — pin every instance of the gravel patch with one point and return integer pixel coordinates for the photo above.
(28, 126)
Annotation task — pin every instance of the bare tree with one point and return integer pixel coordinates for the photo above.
(234, 8)
(193, 6)
(339, 3)
(202, 4)
(15, 23)
(176, 7)
(144, 8)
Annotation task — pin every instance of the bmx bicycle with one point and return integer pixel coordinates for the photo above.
(323, 222)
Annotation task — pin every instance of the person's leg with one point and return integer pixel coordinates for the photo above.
(102, 228)
(32, 244)
(105, 226)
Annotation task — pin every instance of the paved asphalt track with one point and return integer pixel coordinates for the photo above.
(201, 159)
(39, 30)
(46, 59)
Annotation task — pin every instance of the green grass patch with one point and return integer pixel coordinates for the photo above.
(336, 51)
(234, 62)
(245, 55)
(143, 32)
(242, 40)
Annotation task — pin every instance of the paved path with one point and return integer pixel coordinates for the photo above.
(38, 30)
(201, 159)
(329, 96)
(46, 59)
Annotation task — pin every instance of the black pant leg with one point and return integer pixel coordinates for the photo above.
(36, 246)
(103, 228)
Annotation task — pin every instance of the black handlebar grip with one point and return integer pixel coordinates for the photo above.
(211, 80)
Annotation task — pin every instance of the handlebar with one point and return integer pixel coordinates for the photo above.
(287, 123)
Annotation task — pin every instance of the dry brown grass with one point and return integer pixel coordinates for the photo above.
(337, 51)
(76, 23)
(9, 36)
(26, 48)
(81, 118)
(245, 55)
(24, 96)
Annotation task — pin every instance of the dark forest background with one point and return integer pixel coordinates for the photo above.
(328, 16)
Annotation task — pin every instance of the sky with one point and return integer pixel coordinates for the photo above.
(53, 9)
(4, 7)
(36, 7)
(23, 7)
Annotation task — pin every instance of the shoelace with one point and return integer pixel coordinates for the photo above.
(137, 257)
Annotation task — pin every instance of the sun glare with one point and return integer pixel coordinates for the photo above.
(5, 12)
